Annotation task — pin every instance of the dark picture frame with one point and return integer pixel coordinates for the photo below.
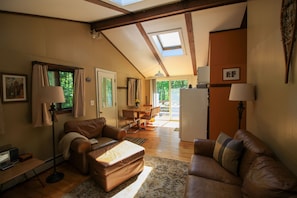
(14, 87)
(231, 73)
(288, 21)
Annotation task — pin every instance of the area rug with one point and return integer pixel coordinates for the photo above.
(138, 141)
(161, 177)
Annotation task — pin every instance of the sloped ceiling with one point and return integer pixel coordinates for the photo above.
(128, 28)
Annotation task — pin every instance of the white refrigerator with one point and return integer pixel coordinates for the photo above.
(193, 114)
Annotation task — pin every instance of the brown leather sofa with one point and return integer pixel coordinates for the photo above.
(260, 174)
(80, 144)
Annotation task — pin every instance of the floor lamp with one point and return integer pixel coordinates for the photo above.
(52, 95)
(241, 92)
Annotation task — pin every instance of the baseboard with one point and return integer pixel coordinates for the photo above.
(48, 164)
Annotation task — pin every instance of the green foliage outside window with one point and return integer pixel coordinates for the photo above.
(163, 88)
(65, 80)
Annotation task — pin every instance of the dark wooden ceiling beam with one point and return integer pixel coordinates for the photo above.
(189, 23)
(159, 12)
(152, 48)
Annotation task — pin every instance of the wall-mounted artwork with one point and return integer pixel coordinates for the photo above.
(14, 87)
(231, 74)
(288, 30)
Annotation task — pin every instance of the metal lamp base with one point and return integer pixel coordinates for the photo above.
(55, 177)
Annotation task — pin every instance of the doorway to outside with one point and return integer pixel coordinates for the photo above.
(106, 96)
(168, 98)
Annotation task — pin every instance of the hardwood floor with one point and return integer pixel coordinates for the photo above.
(161, 142)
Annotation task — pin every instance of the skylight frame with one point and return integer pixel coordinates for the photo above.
(125, 2)
(167, 51)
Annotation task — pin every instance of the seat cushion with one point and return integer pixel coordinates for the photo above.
(207, 188)
(227, 152)
(207, 167)
(102, 142)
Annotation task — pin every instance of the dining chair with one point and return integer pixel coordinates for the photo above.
(150, 116)
(132, 119)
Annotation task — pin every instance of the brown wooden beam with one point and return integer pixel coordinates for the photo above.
(159, 12)
(189, 23)
(150, 45)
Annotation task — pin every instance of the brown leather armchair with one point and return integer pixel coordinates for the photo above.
(78, 134)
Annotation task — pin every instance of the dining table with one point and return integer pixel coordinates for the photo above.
(140, 111)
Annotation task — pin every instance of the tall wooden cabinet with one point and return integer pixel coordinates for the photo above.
(228, 52)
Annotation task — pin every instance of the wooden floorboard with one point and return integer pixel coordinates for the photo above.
(160, 141)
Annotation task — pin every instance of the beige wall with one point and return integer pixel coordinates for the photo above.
(273, 116)
(24, 39)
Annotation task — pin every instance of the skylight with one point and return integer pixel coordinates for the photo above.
(125, 2)
(168, 43)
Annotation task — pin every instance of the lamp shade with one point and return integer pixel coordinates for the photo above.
(52, 94)
(242, 92)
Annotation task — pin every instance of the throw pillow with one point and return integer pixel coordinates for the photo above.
(227, 152)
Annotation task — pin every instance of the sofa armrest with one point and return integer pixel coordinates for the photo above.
(204, 147)
(114, 133)
(81, 146)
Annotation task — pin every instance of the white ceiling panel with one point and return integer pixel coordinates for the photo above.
(131, 43)
(77, 10)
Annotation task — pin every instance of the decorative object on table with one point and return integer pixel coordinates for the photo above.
(231, 74)
(137, 103)
(14, 87)
(288, 30)
(161, 177)
(241, 92)
(52, 95)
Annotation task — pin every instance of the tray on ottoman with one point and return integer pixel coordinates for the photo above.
(116, 163)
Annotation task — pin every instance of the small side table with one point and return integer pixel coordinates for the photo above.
(20, 168)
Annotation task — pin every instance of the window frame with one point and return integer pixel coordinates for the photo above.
(175, 50)
(57, 69)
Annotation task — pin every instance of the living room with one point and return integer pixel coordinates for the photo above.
(271, 117)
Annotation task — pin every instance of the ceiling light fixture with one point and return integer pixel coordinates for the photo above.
(95, 34)
(159, 74)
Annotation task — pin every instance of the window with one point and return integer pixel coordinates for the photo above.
(125, 2)
(168, 43)
(63, 77)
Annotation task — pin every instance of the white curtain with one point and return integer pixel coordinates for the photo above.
(134, 90)
(1, 118)
(40, 113)
(154, 93)
(79, 93)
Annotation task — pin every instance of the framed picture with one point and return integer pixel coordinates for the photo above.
(231, 74)
(14, 87)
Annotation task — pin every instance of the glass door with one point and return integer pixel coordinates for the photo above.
(168, 98)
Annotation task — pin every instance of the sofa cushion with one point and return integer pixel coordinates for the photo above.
(227, 152)
(269, 178)
(90, 128)
(209, 168)
(253, 147)
(207, 188)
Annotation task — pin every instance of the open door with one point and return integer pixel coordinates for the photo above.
(106, 96)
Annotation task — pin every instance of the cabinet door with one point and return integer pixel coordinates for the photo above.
(223, 114)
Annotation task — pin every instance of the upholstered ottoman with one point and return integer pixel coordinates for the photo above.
(116, 163)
